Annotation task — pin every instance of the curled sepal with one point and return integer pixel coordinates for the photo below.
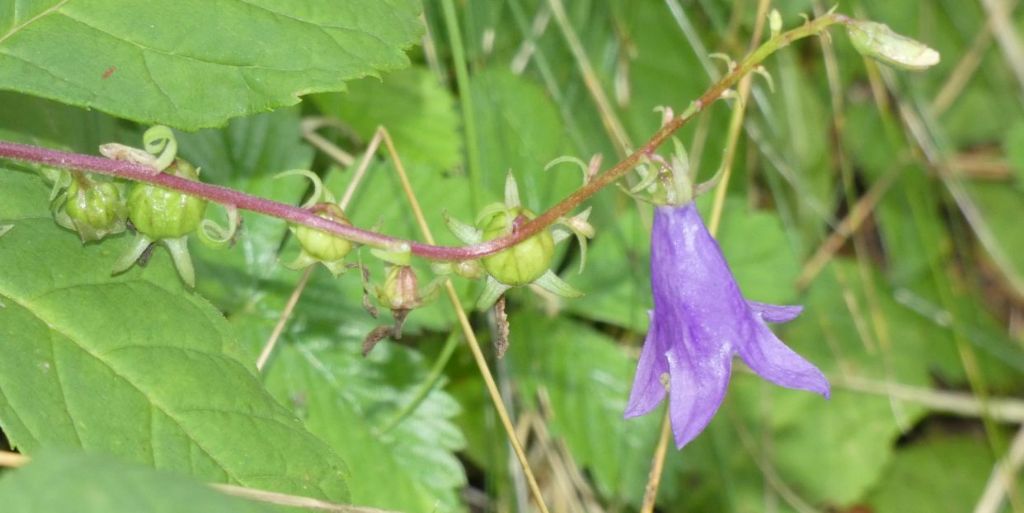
(217, 236)
(93, 209)
(493, 289)
(550, 282)
(182, 260)
(139, 246)
(579, 226)
(320, 193)
(589, 169)
(465, 232)
(124, 153)
(879, 42)
(399, 254)
(163, 213)
(523, 262)
(159, 141)
(775, 22)
(320, 246)
(511, 191)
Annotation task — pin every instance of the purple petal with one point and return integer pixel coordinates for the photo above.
(775, 313)
(774, 361)
(648, 389)
(697, 388)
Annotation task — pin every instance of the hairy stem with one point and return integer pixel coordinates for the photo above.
(227, 196)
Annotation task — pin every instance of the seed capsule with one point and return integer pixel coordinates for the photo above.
(523, 263)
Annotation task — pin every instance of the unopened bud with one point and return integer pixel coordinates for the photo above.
(162, 213)
(94, 209)
(401, 289)
(322, 245)
(878, 41)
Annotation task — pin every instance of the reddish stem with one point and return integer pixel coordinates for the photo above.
(226, 196)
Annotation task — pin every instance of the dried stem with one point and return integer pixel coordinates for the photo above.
(467, 329)
(309, 131)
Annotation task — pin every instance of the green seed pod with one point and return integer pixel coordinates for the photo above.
(322, 245)
(523, 263)
(160, 213)
(95, 209)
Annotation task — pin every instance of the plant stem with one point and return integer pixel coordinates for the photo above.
(467, 330)
(451, 22)
(227, 196)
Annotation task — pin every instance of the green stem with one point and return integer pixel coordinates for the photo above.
(451, 21)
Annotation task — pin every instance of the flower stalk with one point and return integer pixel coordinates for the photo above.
(233, 198)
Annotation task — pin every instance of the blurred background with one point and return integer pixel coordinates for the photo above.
(886, 202)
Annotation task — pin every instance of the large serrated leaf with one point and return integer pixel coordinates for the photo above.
(57, 481)
(195, 63)
(350, 401)
(134, 365)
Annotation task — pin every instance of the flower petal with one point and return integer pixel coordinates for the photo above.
(697, 387)
(775, 313)
(771, 359)
(648, 389)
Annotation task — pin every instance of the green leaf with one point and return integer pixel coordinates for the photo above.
(939, 474)
(585, 377)
(195, 63)
(1000, 206)
(519, 129)
(418, 113)
(42, 122)
(134, 365)
(60, 481)
(348, 399)
(849, 437)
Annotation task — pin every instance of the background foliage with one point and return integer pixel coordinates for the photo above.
(915, 182)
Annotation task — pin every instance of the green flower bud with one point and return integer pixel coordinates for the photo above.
(160, 213)
(401, 289)
(878, 41)
(95, 209)
(322, 245)
(523, 263)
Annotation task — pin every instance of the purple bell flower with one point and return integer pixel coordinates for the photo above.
(700, 320)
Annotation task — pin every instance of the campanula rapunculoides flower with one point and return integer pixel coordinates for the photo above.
(699, 322)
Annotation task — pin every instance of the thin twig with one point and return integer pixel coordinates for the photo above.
(1004, 476)
(467, 329)
(309, 132)
(294, 501)
(604, 106)
(14, 460)
(850, 224)
(271, 343)
(1002, 409)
